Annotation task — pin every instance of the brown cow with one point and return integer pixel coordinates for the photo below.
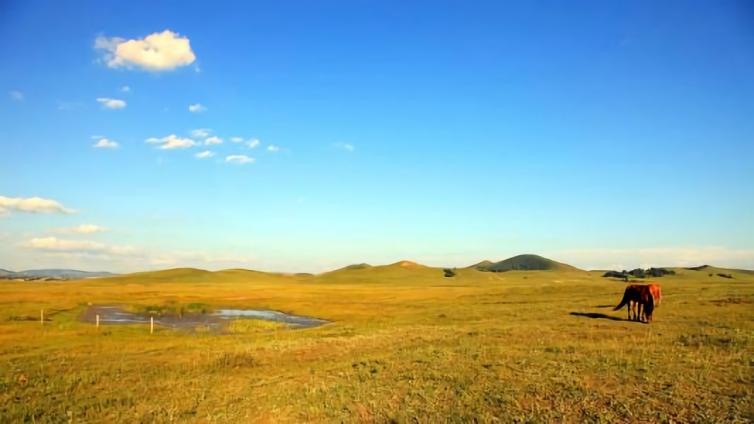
(640, 295)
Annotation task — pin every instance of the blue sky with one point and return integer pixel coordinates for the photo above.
(604, 134)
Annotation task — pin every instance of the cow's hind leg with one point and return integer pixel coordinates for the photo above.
(629, 308)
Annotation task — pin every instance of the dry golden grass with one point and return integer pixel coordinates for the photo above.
(405, 344)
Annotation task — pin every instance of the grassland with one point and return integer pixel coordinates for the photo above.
(405, 345)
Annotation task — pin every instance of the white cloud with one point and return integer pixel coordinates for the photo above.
(172, 142)
(82, 247)
(31, 205)
(105, 143)
(252, 143)
(197, 108)
(273, 148)
(239, 159)
(205, 154)
(236, 139)
(111, 103)
(82, 229)
(160, 51)
(214, 260)
(345, 146)
(125, 89)
(213, 140)
(645, 257)
(87, 254)
(201, 133)
(17, 95)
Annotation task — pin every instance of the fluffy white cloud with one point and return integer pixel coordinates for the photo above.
(252, 143)
(273, 148)
(204, 155)
(17, 95)
(197, 108)
(345, 146)
(236, 139)
(31, 205)
(105, 143)
(172, 142)
(213, 140)
(160, 51)
(111, 103)
(82, 229)
(239, 159)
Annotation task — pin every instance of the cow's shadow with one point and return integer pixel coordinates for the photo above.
(595, 315)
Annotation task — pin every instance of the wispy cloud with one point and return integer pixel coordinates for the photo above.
(105, 143)
(273, 148)
(204, 155)
(31, 205)
(252, 143)
(82, 229)
(111, 103)
(236, 139)
(125, 89)
(201, 132)
(644, 257)
(197, 108)
(83, 247)
(239, 159)
(69, 106)
(96, 255)
(160, 51)
(17, 95)
(345, 146)
(213, 140)
(171, 141)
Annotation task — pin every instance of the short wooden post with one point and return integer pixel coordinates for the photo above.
(42, 317)
(97, 319)
(151, 325)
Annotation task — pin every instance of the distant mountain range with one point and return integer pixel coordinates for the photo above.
(397, 270)
(52, 274)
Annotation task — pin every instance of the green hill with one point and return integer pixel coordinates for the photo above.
(354, 267)
(523, 263)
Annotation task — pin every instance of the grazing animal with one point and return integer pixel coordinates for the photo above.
(640, 301)
(656, 293)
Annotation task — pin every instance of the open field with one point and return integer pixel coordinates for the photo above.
(405, 344)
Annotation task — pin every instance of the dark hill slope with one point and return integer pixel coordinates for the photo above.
(524, 263)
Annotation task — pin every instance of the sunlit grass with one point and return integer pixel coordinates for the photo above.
(403, 345)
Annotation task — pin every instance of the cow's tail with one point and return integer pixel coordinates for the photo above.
(623, 302)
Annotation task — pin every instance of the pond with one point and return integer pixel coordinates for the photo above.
(216, 320)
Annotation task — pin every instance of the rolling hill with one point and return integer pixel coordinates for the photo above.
(526, 262)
